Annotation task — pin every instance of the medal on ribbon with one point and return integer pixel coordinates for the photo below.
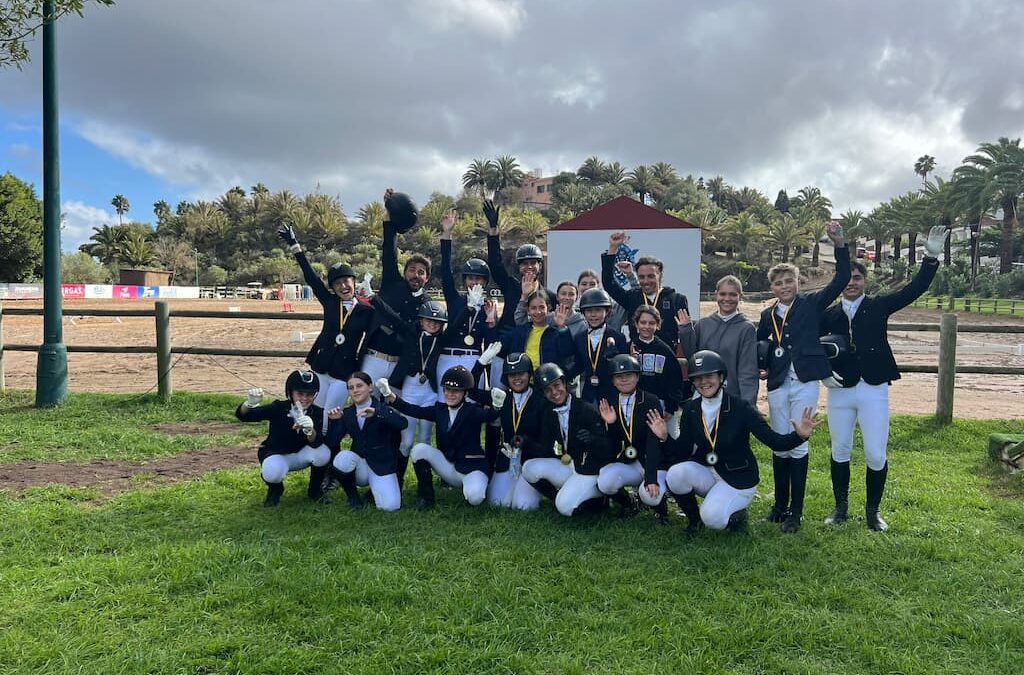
(712, 436)
(777, 328)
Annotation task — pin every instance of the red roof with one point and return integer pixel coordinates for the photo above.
(624, 213)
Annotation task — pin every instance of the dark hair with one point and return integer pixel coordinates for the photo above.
(649, 260)
(417, 258)
(360, 375)
(860, 268)
(565, 283)
(539, 293)
(588, 273)
(647, 309)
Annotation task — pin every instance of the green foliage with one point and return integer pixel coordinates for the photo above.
(19, 19)
(81, 268)
(195, 578)
(21, 230)
(213, 275)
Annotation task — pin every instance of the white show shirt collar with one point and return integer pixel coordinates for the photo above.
(360, 420)
(452, 414)
(418, 293)
(710, 407)
(520, 398)
(563, 416)
(781, 309)
(626, 402)
(850, 307)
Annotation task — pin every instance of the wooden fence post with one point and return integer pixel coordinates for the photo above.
(163, 348)
(947, 369)
(3, 386)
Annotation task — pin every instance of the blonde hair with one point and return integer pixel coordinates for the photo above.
(782, 268)
(733, 281)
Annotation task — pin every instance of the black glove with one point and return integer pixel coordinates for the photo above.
(491, 212)
(583, 436)
(287, 234)
(762, 354)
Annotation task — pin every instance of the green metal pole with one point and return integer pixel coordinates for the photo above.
(52, 364)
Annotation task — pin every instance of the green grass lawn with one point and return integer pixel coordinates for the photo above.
(198, 577)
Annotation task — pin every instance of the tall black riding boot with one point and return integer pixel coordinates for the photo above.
(841, 491)
(689, 506)
(661, 512)
(401, 464)
(492, 443)
(274, 492)
(875, 487)
(798, 486)
(780, 473)
(545, 487)
(348, 484)
(626, 502)
(316, 484)
(424, 484)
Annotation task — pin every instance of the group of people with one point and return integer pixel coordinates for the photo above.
(592, 394)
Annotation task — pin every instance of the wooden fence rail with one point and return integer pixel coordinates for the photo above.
(946, 368)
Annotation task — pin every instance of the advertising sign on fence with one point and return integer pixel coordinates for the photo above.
(126, 292)
(73, 291)
(99, 291)
(25, 291)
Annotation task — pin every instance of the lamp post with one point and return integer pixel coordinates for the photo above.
(52, 362)
(196, 251)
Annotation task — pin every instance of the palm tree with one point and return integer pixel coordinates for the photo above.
(136, 251)
(614, 174)
(851, 221)
(643, 182)
(592, 170)
(924, 166)
(507, 173)
(105, 244)
(120, 204)
(784, 233)
(372, 217)
(480, 175)
(742, 232)
(993, 178)
(941, 205)
(813, 228)
(812, 198)
(876, 226)
(717, 189)
(665, 177)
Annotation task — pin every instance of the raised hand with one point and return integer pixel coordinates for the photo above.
(656, 423)
(488, 354)
(384, 387)
(805, 427)
(529, 284)
(492, 213)
(607, 412)
(491, 311)
(475, 296)
(835, 233)
(625, 267)
(498, 397)
(448, 222)
(287, 234)
(616, 239)
(675, 423)
(936, 241)
(335, 413)
(683, 317)
(561, 315)
(363, 288)
(367, 413)
(304, 423)
(254, 397)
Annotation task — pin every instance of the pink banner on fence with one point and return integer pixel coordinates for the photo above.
(73, 291)
(126, 292)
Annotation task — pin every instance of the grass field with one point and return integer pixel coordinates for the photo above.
(198, 577)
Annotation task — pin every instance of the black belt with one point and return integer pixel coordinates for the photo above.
(454, 351)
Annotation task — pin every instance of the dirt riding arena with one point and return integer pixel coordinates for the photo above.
(977, 396)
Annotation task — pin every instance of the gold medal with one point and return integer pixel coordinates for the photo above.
(712, 435)
(566, 458)
(631, 452)
(712, 458)
(779, 352)
(594, 381)
(468, 340)
(778, 328)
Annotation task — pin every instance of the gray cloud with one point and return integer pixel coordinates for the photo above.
(359, 95)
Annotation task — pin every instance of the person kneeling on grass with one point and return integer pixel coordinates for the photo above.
(374, 458)
(294, 440)
(458, 459)
(578, 441)
(714, 441)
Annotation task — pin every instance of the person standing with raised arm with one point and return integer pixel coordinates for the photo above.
(529, 260)
(866, 370)
(649, 271)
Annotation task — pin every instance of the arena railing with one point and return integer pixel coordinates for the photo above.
(946, 368)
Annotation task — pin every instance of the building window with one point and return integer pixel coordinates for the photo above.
(540, 189)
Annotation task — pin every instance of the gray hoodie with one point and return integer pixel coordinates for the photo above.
(735, 340)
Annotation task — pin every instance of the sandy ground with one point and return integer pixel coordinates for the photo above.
(977, 396)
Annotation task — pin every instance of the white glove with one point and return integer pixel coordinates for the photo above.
(296, 412)
(305, 423)
(489, 353)
(833, 381)
(254, 397)
(498, 398)
(383, 387)
(475, 297)
(363, 288)
(674, 422)
(936, 241)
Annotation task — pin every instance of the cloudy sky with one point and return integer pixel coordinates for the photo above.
(183, 99)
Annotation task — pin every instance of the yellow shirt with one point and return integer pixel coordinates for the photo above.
(533, 344)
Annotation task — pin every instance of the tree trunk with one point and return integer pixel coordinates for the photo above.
(785, 253)
(1006, 242)
(947, 253)
(897, 242)
(912, 248)
(814, 255)
(878, 253)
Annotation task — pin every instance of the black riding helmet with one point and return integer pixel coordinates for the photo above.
(528, 252)
(547, 374)
(623, 363)
(432, 310)
(477, 267)
(457, 377)
(595, 297)
(304, 381)
(706, 362)
(338, 271)
(402, 211)
(834, 344)
(516, 362)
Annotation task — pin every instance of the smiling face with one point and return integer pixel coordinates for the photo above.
(649, 278)
(708, 385)
(431, 326)
(595, 316)
(518, 382)
(625, 383)
(567, 295)
(556, 392)
(728, 298)
(344, 287)
(453, 398)
(646, 326)
(785, 286)
(537, 310)
(416, 275)
(586, 283)
(359, 390)
(471, 280)
(303, 398)
(531, 266)
(855, 288)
